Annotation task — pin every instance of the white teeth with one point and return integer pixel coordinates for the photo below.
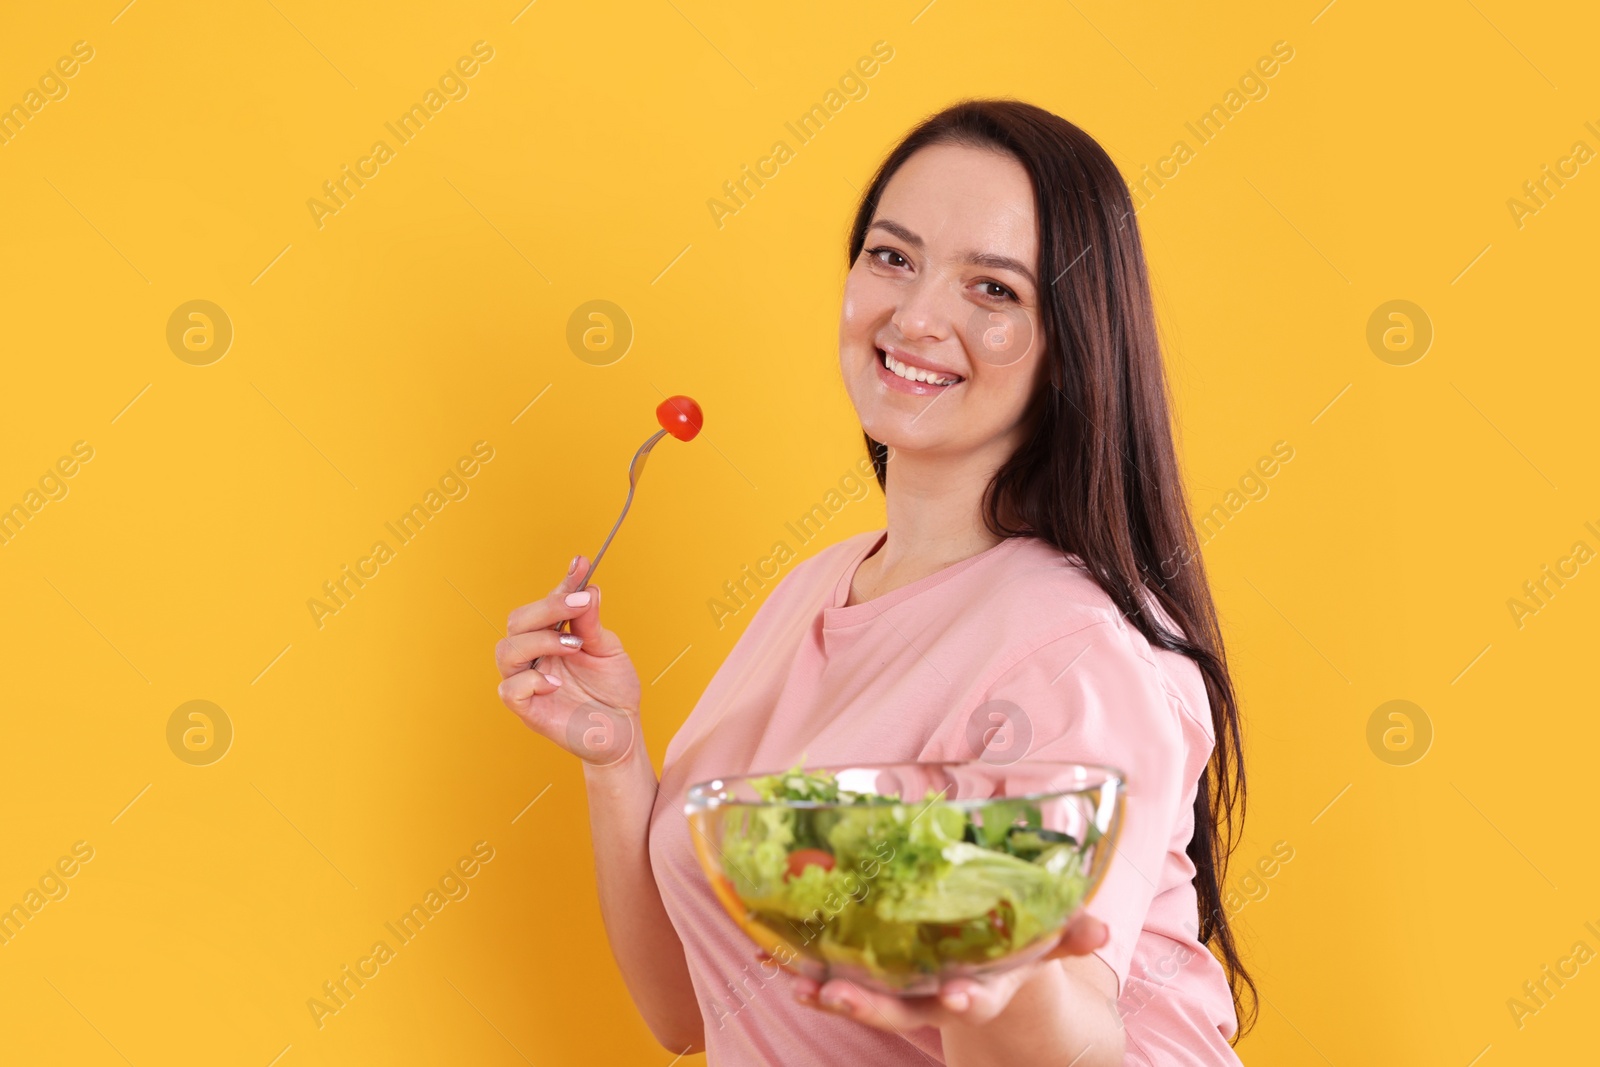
(915, 374)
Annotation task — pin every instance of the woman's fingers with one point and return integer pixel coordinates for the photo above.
(585, 604)
(518, 690)
(978, 1002)
(963, 1000)
(805, 990)
(586, 624)
(1082, 936)
(844, 997)
(513, 654)
(545, 613)
(894, 1014)
(596, 718)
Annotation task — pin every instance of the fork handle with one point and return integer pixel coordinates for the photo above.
(635, 469)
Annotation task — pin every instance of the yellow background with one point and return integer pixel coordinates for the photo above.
(371, 753)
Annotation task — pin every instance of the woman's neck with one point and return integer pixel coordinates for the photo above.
(934, 520)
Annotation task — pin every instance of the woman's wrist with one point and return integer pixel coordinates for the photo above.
(605, 739)
(614, 753)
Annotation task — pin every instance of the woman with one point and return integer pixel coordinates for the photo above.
(1037, 586)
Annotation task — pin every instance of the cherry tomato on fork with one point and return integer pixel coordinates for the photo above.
(680, 416)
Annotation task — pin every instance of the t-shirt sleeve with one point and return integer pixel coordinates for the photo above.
(1096, 696)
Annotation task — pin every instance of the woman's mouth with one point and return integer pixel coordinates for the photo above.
(907, 379)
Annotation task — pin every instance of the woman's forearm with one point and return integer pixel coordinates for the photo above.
(643, 940)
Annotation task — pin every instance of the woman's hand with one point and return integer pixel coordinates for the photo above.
(963, 1006)
(584, 698)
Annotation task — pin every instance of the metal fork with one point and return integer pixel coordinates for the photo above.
(635, 469)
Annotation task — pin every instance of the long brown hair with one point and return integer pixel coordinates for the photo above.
(1099, 476)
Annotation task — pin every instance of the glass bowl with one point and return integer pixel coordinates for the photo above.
(902, 876)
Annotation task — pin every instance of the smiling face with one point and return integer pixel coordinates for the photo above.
(945, 290)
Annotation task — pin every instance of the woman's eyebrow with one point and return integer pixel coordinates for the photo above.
(998, 262)
(977, 259)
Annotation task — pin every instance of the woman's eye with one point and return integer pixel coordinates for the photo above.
(879, 253)
(1003, 294)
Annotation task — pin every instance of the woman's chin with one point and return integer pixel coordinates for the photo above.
(901, 440)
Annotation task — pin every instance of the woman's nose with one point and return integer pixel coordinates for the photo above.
(925, 310)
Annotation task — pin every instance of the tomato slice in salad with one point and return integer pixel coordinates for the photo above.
(802, 858)
(997, 919)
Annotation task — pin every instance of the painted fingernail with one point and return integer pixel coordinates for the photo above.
(573, 565)
(553, 680)
(578, 599)
(834, 1002)
(571, 640)
(956, 1001)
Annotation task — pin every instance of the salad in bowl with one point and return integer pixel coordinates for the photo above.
(903, 876)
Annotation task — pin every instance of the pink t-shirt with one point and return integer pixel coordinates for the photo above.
(897, 678)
